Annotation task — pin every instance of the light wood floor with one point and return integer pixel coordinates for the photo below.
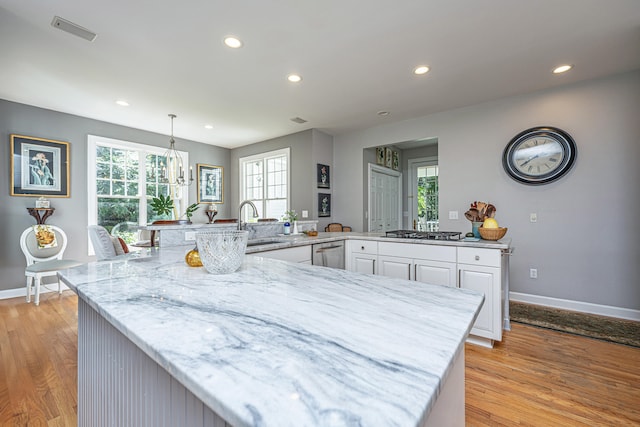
(535, 377)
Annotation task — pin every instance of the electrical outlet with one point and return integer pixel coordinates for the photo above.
(533, 217)
(453, 214)
(533, 273)
(189, 236)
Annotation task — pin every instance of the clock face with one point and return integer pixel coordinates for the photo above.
(539, 155)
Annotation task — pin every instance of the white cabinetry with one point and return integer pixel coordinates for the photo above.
(301, 254)
(479, 270)
(423, 263)
(361, 256)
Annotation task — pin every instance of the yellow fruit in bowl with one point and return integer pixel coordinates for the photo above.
(490, 223)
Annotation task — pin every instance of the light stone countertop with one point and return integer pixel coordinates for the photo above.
(283, 344)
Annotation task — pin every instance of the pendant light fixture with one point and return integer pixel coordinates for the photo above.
(174, 172)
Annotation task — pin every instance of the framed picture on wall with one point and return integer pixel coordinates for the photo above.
(395, 161)
(388, 154)
(380, 156)
(324, 204)
(210, 183)
(39, 167)
(323, 176)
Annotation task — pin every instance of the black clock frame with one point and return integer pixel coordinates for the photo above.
(560, 136)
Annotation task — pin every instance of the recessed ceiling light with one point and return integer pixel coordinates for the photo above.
(232, 42)
(122, 103)
(562, 69)
(422, 69)
(383, 113)
(208, 126)
(294, 78)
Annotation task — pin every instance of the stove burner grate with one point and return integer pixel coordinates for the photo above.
(429, 235)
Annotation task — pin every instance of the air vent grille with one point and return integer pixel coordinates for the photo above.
(299, 120)
(71, 28)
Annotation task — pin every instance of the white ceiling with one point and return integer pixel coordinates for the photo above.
(355, 56)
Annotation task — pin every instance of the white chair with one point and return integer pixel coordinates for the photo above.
(103, 244)
(44, 262)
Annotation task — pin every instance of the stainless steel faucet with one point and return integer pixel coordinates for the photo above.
(255, 212)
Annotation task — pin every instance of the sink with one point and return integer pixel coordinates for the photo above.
(261, 242)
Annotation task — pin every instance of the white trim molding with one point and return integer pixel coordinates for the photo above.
(584, 307)
(22, 292)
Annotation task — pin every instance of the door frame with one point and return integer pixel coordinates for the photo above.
(390, 172)
(412, 190)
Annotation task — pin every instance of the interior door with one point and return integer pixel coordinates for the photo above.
(385, 188)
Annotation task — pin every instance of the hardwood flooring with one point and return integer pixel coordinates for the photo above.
(535, 377)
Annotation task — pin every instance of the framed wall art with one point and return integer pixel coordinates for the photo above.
(380, 156)
(39, 167)
(324, 204)
(210, 183)
(323, 176)
(388, 155)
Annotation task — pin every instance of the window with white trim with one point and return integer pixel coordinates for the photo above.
(264, 179)
(122, 179)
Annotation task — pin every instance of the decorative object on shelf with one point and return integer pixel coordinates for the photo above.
(192, 258)
(173, 172)
(323, 176)
(388, 157)
(39, 167)
(222, 251)
(395, 162)
(41, 214)
(380, 156)
(539, 155)
(42, 203)
(211, 212)
(324, 204)
(210, 183)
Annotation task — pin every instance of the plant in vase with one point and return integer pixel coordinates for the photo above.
(190, 210)
(292, 217)
(162, 205)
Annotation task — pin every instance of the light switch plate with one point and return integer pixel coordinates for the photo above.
(189, 236)
(305, 214)
(533, 217)
(453, 214)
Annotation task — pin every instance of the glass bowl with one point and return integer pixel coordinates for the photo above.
(222, 251)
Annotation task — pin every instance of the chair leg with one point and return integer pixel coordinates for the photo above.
(38, 279)
(59, 287)
(29, 288)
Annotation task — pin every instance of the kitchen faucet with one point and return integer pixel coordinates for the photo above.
(255, 212)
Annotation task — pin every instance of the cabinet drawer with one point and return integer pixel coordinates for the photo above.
(363, 247)
(479, 256)
(418, 251)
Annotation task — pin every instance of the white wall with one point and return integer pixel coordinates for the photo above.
(585, 243)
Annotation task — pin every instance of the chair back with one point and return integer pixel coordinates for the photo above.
(33, 251)
(336, 226)
(101, 242)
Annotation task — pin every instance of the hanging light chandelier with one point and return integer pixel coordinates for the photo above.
(173, 173)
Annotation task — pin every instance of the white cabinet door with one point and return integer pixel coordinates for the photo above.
(486, 280)
(396, 267)
(363, 263)
(435, 272)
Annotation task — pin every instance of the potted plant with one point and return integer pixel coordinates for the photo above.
(163, 206)
(292, 217)
(190, 210)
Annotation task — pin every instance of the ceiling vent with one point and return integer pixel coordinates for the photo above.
(71, 28)
(299, 120)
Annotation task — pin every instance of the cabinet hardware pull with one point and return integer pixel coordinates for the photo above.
(415, 271)
(477, 257)
(362, 248)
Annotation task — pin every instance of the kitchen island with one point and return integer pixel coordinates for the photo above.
(273, 344)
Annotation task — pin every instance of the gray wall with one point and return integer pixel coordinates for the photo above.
(585, 243)
(307, 149)
(71, 213)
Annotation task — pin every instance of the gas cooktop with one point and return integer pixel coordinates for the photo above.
(430, 235)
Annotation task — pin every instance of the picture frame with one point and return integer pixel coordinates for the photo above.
(388, 154)
(395, 161)
(210, 184)
(380, 156)
(324, 204)
(39, 167)
(324, 176)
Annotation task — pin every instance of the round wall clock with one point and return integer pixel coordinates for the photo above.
(539, 155)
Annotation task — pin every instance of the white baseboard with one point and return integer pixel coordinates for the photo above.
(22, 292)
(584, 307)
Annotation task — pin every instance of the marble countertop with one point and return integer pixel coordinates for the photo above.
(281, 242)
(281, 344)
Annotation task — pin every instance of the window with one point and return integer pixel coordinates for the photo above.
(423, 188)
(264, 179)
(122, 179)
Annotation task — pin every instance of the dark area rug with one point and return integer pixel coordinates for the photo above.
(589, 325)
